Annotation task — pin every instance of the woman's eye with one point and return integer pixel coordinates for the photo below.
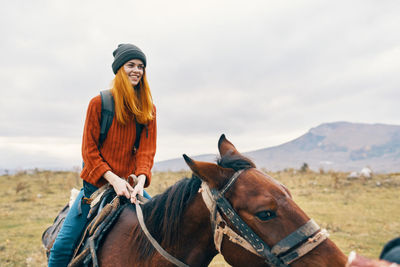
(266, 215)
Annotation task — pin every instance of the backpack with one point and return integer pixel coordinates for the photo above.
(107, 116)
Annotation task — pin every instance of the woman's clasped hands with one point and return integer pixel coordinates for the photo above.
(123, 188)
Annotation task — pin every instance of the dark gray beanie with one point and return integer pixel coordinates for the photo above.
(124, 53)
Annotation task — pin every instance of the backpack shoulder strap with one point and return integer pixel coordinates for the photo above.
(107, 114)
(139, 129)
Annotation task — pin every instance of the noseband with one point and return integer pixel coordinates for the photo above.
(289, 249)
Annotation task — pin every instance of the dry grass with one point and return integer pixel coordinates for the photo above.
(360, 214)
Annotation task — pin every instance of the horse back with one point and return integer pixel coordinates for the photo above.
(118, 248)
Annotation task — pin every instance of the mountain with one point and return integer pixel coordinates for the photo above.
(341, 146)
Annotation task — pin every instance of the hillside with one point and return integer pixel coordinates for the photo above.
(361, 221)
(340, 146)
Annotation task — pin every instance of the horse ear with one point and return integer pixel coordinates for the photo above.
(211, 173)
(224, 147)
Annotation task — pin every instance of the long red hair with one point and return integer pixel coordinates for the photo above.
(131, 101)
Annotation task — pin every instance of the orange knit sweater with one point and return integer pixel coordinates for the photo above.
(116, 153)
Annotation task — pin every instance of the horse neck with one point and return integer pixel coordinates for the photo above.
(199, 248)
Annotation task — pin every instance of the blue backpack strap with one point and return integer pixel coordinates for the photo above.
(106, 119)
(139, 129)
(107, 114)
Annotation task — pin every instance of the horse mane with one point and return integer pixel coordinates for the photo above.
(163, 216)
(235, 161)
(164, 212)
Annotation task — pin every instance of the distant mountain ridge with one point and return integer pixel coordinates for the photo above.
(341, 146)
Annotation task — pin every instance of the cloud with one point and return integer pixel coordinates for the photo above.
(262, 72)
(39, 152)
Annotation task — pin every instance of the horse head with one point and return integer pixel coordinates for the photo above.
(272, 229)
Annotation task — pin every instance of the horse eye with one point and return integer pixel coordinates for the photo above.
(266, 215)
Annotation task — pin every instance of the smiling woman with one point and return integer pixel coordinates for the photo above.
(112, 154)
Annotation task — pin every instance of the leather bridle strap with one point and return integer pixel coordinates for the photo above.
(304, 239)
(295, 238)
(157, 246)
(230, 183)
(257, 243)
(305, 247)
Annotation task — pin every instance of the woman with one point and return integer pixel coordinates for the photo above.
(115, 158)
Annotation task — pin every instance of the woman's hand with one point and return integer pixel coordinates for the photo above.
(138, 189)
(121, 187)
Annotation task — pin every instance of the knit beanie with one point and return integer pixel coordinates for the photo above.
(124, 53)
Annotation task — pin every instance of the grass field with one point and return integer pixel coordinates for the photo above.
(360, 214)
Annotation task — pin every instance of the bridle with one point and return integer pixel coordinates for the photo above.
(289, 249)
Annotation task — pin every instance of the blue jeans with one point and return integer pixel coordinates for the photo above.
(72, 228)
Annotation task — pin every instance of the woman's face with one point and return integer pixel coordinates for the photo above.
(134, 69)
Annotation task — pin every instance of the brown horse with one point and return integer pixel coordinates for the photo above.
(180, 220)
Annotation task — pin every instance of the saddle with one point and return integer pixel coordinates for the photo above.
(97, 229)
(105, 209)
(50, 234)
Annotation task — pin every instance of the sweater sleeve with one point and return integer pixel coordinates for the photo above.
(147, 150)
(94, 164)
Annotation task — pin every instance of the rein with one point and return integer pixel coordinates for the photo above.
(154, 242)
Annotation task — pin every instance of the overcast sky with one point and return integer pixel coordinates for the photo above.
(262, 72)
